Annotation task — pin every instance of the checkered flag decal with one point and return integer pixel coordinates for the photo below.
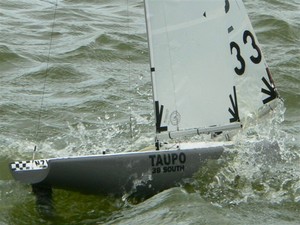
(29, 165)
(22, 165)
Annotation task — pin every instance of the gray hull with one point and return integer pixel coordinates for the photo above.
(145, 172)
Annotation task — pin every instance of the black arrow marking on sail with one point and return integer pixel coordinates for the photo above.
(234, 111)
(159, 113)
(227, 6)
(230, 29)
(271, 91)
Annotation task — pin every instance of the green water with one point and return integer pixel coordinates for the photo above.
(97, 77)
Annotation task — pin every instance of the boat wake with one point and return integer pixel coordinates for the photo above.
(259, 166)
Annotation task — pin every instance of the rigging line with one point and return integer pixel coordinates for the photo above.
(38, 130)
(130, 75)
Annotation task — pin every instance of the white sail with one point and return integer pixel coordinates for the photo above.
(197, 65)
(253, 79)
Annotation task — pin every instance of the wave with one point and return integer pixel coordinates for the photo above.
(11, 59)
(110, 48)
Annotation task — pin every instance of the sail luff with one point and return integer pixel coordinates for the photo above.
(152, 67)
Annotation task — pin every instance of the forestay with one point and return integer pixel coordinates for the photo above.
(205, 61)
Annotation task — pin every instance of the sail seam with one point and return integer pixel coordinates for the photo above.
(170, 57)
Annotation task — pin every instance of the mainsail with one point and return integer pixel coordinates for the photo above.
(203, 63)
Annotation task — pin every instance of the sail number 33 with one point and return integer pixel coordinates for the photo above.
(255, 59)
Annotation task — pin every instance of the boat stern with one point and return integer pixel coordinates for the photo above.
(31, 171)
